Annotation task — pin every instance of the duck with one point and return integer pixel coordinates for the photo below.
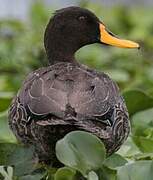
(66, 95)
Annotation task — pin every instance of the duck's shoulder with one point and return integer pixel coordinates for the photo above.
(37, 74)
(55, 69)
(102, 76)
(62, 69)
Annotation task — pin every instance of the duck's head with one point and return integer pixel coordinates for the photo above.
(73, 27)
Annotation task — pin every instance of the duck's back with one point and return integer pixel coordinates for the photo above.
(72, 97)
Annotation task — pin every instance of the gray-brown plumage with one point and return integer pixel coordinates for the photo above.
(67, 96)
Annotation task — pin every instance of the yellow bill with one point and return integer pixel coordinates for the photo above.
(108, 38)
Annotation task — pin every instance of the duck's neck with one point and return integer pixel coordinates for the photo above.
(60, 49)
(57, 54)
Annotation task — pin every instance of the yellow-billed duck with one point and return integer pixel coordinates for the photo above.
(66, 95)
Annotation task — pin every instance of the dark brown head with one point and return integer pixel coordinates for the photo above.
(73, 27)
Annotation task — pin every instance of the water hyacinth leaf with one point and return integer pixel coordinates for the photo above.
(137, 100)
(143, 118)
(143, 156)
(82, 151)
(129, 148)
(6, 134)
(22, 159)
(5, 100)
(139, 170)
(115, 161)
(19, 157)
(6, 149)
(33, 176)
(145, 144)
(65, 173)
(92, 176)
(7, 173)
(142, 123)
(106, 174)
(10, 171)
(142, 130)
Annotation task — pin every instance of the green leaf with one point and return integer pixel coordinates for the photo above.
(129, 149)
(6, 134)
(23, 160)
(143, 118)
(65, 173)
(115, 161)
(6, 149)
(82, 151)
(142, 123)
(51, 171)
(20, 157)
(142, 130)
(33, 176)
(144, 144)
(92, 176)
(5, 100)
(136, 171)
(106, 174)
(143, 156)
(137, 100)
(7, 173)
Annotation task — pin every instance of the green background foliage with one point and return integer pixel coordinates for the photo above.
(22, 51)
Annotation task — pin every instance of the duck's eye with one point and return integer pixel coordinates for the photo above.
(82, 18)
